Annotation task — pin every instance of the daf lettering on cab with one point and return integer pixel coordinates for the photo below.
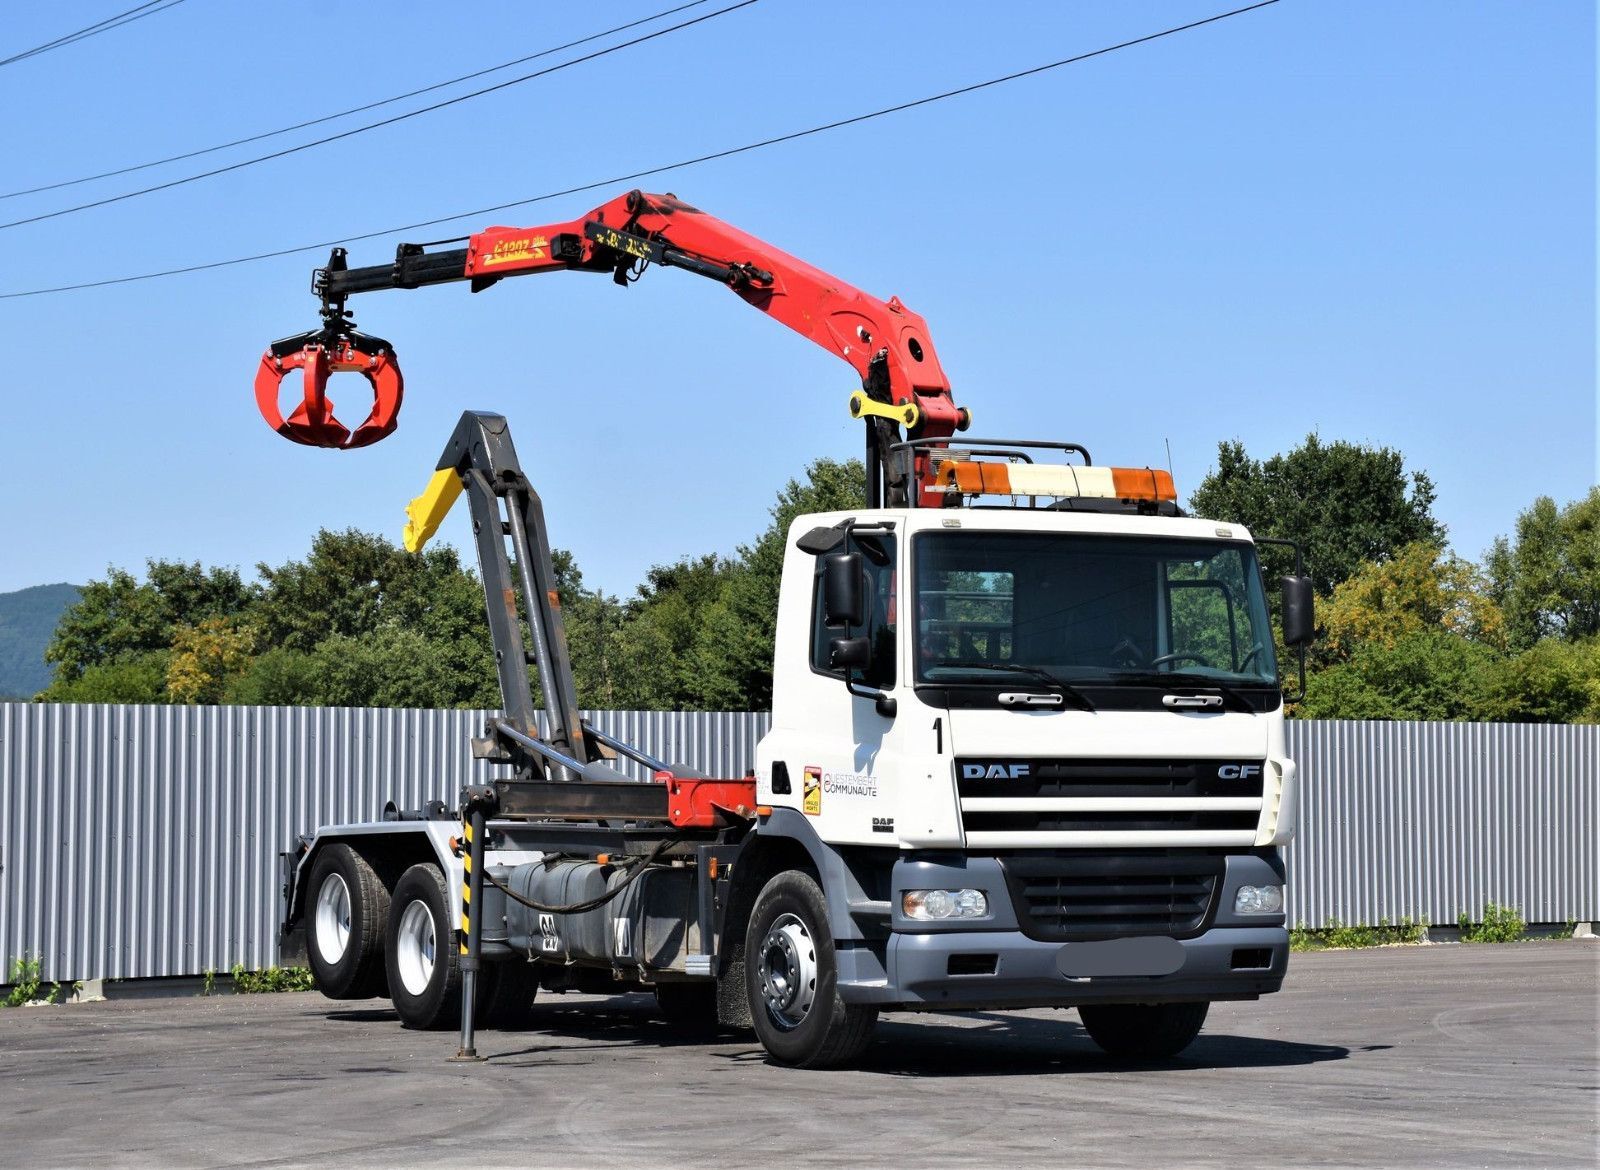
(1027, 740)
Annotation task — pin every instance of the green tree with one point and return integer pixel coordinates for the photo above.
(276, 678)
(205, 657)
(355, 582)
(1420, 589)
(1346, 503)
(743, 624)
(1429, 675)
(131, 678)
(668, 652)
(393, 666)
(699, 633)
(122, 617)
(1550, 682)
(359, 587)
(1547, 579)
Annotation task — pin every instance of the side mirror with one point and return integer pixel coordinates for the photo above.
(843, 600)
(1299, 612)
(850, 653)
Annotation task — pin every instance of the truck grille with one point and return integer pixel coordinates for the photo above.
(1016, 802)
(1175, 778)
(1102, 822)
(1089, 894)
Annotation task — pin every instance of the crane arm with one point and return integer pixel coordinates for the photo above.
(886, 343)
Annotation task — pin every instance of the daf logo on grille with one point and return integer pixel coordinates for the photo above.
(995, 771)
(1238, 771)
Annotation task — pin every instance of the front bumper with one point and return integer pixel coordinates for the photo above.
(1026, 972)
(997, 961)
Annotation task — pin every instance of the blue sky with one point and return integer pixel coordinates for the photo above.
(1372, 220)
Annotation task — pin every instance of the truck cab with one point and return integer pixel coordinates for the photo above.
(1048, 745)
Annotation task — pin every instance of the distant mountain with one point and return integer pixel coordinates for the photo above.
(27, 619)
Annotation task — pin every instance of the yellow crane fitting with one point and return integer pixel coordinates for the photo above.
(904, 413)
(425, 513)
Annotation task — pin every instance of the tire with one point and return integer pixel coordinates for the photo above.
(791, 979)
(1143, 1031)
(689, 1007)
(510, 988)
(421, 954)
(347, 910)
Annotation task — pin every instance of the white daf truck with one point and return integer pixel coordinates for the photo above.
(1020, 756)
(1027, 743)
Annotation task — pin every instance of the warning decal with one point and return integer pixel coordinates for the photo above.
(811, 802)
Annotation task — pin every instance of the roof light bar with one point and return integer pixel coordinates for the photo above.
(971, 477)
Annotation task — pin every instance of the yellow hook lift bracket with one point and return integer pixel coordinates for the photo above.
(907, 414)
(425, 513)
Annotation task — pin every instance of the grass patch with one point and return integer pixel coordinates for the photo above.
(1500, 924)
(271, 980)
(27, 986)
(1337, 936)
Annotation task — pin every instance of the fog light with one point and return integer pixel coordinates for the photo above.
(1258, 900)
(937, 905)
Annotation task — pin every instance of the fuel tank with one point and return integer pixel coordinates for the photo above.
(647, 926)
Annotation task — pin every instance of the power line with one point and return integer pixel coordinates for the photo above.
(288, 150)
(354, 109)
(106, 25)
(99, 26)
(659, 170)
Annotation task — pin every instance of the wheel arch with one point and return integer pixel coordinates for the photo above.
(786, 840)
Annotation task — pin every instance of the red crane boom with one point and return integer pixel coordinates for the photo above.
(887, 344)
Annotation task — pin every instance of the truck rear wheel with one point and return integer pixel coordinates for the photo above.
(421, 955)
(791, 979)
(347, 908)
(1143, 1031)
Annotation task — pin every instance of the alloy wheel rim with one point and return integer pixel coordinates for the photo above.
(416, 949)
(333, 918)
(788, 971)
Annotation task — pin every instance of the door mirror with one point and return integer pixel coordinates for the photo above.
(843, 599)
(850, 653)
(1299, 612)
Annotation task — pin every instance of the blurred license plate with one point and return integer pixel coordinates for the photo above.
(1120, 956)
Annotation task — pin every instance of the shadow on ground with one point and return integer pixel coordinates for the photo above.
(904, 1045)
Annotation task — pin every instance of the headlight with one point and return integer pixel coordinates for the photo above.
(936, 905)
(1258, 900)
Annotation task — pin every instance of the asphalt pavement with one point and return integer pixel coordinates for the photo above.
(1416, 1056)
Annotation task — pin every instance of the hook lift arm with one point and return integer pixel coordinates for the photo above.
(887, 344)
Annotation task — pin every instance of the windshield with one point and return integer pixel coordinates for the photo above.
(1089, 609)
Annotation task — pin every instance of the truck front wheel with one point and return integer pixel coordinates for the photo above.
(1143, 1031)
(347, 907)
(791, 978)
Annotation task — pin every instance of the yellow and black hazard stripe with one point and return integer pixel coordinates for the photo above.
(466, 887)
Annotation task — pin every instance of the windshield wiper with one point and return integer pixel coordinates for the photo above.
(1065, 689)
(1183, 679)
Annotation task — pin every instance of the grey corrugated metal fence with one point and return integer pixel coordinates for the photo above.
(142, 841)
(1426, 820)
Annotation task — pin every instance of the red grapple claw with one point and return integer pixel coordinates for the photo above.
(312, 422)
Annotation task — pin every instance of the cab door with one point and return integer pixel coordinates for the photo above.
(841, 747)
